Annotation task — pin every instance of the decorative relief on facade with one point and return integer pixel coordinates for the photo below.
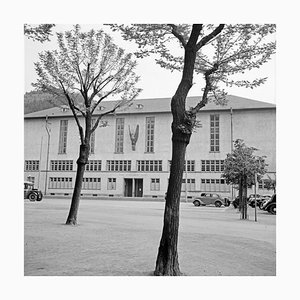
(134, 136)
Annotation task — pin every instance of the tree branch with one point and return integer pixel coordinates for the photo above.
(210, 36)
(207, 88)
(177, 34)
(72, 106)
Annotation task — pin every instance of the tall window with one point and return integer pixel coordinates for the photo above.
(111, 183)
(150, 134)
(92, 150)
(119, 135)
(214, 133)
(62, 147)
(155, 184)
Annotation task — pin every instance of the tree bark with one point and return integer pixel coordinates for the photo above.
(81, 162)
(167, 259)
(240, 193)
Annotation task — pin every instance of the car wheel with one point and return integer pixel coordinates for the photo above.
(32, 197)
(272, 209)
(218, 204)
(196, 203)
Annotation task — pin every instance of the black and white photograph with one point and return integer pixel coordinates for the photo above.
(149, 149)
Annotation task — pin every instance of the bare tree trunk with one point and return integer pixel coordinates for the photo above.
(81, 162)
(167, 259)
(240, 193)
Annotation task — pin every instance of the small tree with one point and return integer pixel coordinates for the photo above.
(240, 168)
(232, 49)
(85, 70)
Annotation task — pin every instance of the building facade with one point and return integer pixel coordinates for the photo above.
(131, 156)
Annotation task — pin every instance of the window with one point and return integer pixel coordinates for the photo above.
(150, 134)
(212, 165)
(32, 165)
(62, 147)
(149, 165)
(155, 184)
(60, 183)
(91, 183)
(93, 166)
(92, 149)
(214, 133)
(191, 184)
(119, 135)
(214, 185)
(61, 165)
(111, 183)
(118, 165)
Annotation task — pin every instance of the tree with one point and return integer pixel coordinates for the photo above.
(233, 50)
(85, 70)
(270, 184)
(39, 33)
(240, 168)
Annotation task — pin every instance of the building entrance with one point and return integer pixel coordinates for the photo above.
(133, 187)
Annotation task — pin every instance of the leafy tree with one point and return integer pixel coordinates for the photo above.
(88, 65)
(270, 184)
(215, 52)
(240, 168)
(39, 33)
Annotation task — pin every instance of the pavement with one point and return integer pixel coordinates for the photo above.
(121, 238)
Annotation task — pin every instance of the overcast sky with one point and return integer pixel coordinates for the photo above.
(155, 81)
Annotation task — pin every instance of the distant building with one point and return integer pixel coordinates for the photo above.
(131, 157)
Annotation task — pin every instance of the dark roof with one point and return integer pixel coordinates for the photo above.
(158, 105)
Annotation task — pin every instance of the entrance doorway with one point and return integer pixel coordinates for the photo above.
(133, 187)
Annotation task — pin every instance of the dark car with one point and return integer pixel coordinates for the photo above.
(270, 205)
(210, 199)
(251, 200)
(31, 193)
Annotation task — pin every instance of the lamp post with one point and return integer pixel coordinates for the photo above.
(47, 160)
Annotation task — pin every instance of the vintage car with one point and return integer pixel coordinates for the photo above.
(270, 205)
(31, 193)
(209, 198)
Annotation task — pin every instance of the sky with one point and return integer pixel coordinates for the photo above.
(155, 81)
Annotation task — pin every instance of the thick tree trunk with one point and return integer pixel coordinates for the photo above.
(81, 162)
(167, 259)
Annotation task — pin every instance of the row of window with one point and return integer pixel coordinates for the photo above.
(125, 165)
(89, 183)
(149, 135)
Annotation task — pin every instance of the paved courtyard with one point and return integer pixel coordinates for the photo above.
(121, 238)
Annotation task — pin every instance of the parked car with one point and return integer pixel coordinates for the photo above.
(251, 200)
(208, 199)
(31, 193)
(270, 205)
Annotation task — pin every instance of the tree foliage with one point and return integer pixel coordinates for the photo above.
(243, 162)
(233, 50)
(86, 69)
(40, 33)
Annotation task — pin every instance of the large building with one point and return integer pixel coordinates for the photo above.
(131, 156)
